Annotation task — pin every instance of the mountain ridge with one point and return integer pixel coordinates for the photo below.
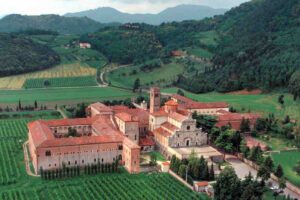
(186, 12)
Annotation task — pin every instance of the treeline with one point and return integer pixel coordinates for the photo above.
(19, 55)
(67, 172)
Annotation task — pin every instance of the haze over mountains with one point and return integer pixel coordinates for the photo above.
(178, 13)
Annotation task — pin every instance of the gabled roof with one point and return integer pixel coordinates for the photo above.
(169, 126)
(101, 107)
(130, 144)
(178, 117)
(126, 117)
(146, 142)
(162, 132)
(70, 122)
(40, 132)
(171, 103)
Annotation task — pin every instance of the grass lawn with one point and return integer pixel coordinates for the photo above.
(269, 196)
(288, 161)
(276, 143)
(158, 155)
(263, 103)
(162, 76)
(200, 52)
(84, 94)
(208, 38)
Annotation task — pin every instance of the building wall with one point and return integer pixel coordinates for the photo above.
(188, 139)
(32, 151)
(62, 131)
(77, 155)
(131, 158)
(130, 129)
(212, 111)
(154, 100)
(155, 122)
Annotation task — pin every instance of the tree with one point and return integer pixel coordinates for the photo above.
(228, 185)
(256, 154)
(180, 92)
(35, 104)
(287, 119)
(245, 125)
(182, 171)
(47, 83)
(282, 183)
(263, 173)
(212, 173)
(281, 100)
(153, 160)
(136, 85)
(20, 105)
(268, 164)
(172, 163)
(279, 171)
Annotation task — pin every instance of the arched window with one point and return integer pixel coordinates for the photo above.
(188, 128)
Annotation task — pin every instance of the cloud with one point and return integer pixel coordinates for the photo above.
(35, 7)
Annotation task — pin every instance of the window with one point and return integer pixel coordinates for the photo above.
(120, 147)
(188, 128)
(69, 163)
(75, 162)
(135, 137)
(82, 161)
(48, 153)
(102, 160)
(95, 160)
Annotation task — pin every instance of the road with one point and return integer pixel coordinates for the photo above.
(242, 170)
(27, 160)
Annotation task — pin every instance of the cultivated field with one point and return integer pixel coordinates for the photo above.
(60, 82)
(15, 184)
(165, 75)
(67, 70)
(263, 103)
(83, 94)
(288, 160)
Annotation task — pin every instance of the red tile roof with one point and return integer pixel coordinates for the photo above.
(86, 140)
(160, 113)
(169, 126)
(202, 184)
(178, 117)
(146, 142)
(101, 107)
(70, 122)
(162, 132)
(126, 117)
(40, 132)
(171, 103)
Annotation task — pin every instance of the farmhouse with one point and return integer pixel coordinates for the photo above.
(84, 45)
(112, 134)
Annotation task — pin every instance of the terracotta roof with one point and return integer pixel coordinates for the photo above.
(178, 117)
(104, 126)
(146, 142)
(70, 122)
(40, 132)
(162, 132)
(130, 144)
(101, 107)
(140, 114)
(160, 113)
(169, 126)
(190, 104)
(171, 103)
(126, 117)
(237, 116)
(165, 163)
(202, 184)
(58, 142)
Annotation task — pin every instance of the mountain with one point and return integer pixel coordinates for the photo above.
(64, 25)
(19, 55)
(178, 13)
(258, 48)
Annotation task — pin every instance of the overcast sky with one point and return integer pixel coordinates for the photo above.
(35, 7)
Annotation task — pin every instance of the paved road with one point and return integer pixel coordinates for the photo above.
(27, 160)
(242, 170)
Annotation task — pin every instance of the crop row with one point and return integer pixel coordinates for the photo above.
(60, 82)
(116, 186)
(13, 128)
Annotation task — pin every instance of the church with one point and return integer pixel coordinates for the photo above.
(117, 133)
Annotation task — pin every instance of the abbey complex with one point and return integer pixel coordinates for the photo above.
(120, 134)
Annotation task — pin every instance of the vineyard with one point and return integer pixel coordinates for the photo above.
(60, 82)
(113, 186)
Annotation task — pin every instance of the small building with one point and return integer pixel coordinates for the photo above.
(165, 166)
(201, 186)
(85, 45)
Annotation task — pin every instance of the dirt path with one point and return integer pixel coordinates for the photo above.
(27, 160)
(62, 113)
(107, 69)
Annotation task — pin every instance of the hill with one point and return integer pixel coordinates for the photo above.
(63, 25)
(258, 48)
(20, 55)
(177, 14)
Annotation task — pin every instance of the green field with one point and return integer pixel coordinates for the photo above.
(288, 160)
(48, 114)
(263, 103)
(161, 76)
(208, 38)
(85, 94)
(61, 82)
(200, 52)
(277, 143)
(15, 184)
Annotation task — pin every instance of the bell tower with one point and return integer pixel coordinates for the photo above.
(154, 99)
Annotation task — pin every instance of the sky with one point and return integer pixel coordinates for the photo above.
(37, 7)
